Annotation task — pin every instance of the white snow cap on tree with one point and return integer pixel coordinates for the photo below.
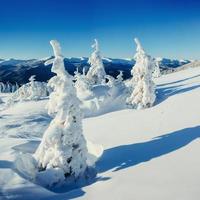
(62, 151)
(96, 73)
(143, 93)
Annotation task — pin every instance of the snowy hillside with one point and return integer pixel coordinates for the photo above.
(19, 71)
(148, 154)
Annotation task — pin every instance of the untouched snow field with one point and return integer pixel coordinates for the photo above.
(148, 154)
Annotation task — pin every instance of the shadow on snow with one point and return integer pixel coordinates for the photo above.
(179, 81)
(120, 157)
(125, 156)
(164, 91)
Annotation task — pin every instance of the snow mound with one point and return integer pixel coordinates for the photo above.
(105, 99)
(26, 166)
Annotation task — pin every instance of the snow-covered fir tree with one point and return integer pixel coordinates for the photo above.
(16, 86)
(13, 89)
(82, 85)
(2, 87)
(143, 87)
(156, 72)
(33, 89)
(62, 150)
(7, 87)
(96, 73)
(112, 82)
(120, 76)
(32, 80)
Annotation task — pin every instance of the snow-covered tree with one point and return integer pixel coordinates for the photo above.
(34, 90)
(156, 72)
(13, 89)
(7, 87)
(120, 76)
(2, 87)
(82, 85)
(32, 80)
(16, 86)
(62, 150)
(143, 92)
(115, 82)
(96, 73)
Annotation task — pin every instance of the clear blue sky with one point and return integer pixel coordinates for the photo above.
(166, 28)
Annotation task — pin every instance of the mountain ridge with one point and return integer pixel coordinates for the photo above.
(19, 70)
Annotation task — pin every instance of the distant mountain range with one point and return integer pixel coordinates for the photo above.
(19, 71)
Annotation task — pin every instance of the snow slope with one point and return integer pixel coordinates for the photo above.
(148, 154)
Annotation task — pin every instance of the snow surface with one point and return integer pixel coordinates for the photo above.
(148, 154)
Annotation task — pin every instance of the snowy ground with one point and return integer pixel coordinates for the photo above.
(148, 154)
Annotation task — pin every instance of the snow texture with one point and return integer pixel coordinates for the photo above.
(149, 154)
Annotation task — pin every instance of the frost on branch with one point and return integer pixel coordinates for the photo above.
(62, 152)
(143, 92)
(96, 73)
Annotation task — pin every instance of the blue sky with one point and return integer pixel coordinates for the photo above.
(166, 28)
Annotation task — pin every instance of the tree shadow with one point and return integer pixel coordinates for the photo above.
(32, 192)
(28, 147)
(166, 92)
(118, 158)
(125, 156)
(4, 116)
(179, 81)
(5, 164)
